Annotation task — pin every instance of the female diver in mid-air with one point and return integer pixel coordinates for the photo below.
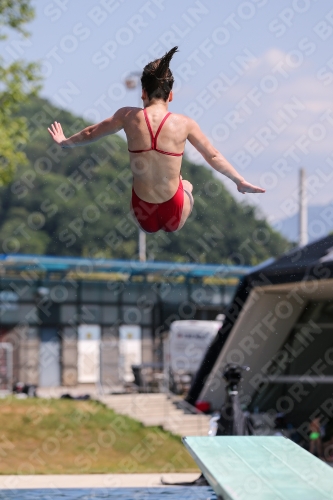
(156, 140)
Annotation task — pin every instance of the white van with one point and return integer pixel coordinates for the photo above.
(184, 348)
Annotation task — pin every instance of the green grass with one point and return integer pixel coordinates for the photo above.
(58, 436)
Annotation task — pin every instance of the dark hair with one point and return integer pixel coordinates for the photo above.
(157, 79)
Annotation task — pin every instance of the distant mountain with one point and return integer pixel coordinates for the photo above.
(320, 223)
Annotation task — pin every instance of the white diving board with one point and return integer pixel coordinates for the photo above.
(260, 468)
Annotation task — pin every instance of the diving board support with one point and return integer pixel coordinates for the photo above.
(260, 468)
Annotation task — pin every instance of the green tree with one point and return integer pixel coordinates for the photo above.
(18, 81)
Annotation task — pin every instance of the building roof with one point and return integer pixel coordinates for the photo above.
(297, 263)
(52, 264)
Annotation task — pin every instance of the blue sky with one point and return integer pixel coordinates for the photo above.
(257, 75)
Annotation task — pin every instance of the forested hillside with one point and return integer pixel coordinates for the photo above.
(76, 202)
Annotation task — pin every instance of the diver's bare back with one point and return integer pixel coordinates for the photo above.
(156, 140)
(155, 175)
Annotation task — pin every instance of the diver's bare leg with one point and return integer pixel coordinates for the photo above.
(188, 203)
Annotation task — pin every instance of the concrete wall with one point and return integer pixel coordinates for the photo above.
(26, 354)
(29, 356)
(69, 357)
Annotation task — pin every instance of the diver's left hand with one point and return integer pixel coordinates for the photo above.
(245, 187)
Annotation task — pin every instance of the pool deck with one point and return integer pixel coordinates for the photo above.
(92, 481)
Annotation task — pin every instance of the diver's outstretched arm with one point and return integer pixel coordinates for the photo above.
(216, 160)
(89, 134)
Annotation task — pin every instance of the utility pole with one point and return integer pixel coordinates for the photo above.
(132, 81)
(303, 210)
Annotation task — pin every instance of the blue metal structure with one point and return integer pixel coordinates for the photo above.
(49, 263)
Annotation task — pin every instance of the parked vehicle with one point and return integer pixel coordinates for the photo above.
(184, 348)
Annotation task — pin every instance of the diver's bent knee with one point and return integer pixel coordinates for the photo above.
(188, 186)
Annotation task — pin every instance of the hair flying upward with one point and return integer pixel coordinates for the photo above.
(157, 79)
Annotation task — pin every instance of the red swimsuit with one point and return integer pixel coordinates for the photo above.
(155, 216)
